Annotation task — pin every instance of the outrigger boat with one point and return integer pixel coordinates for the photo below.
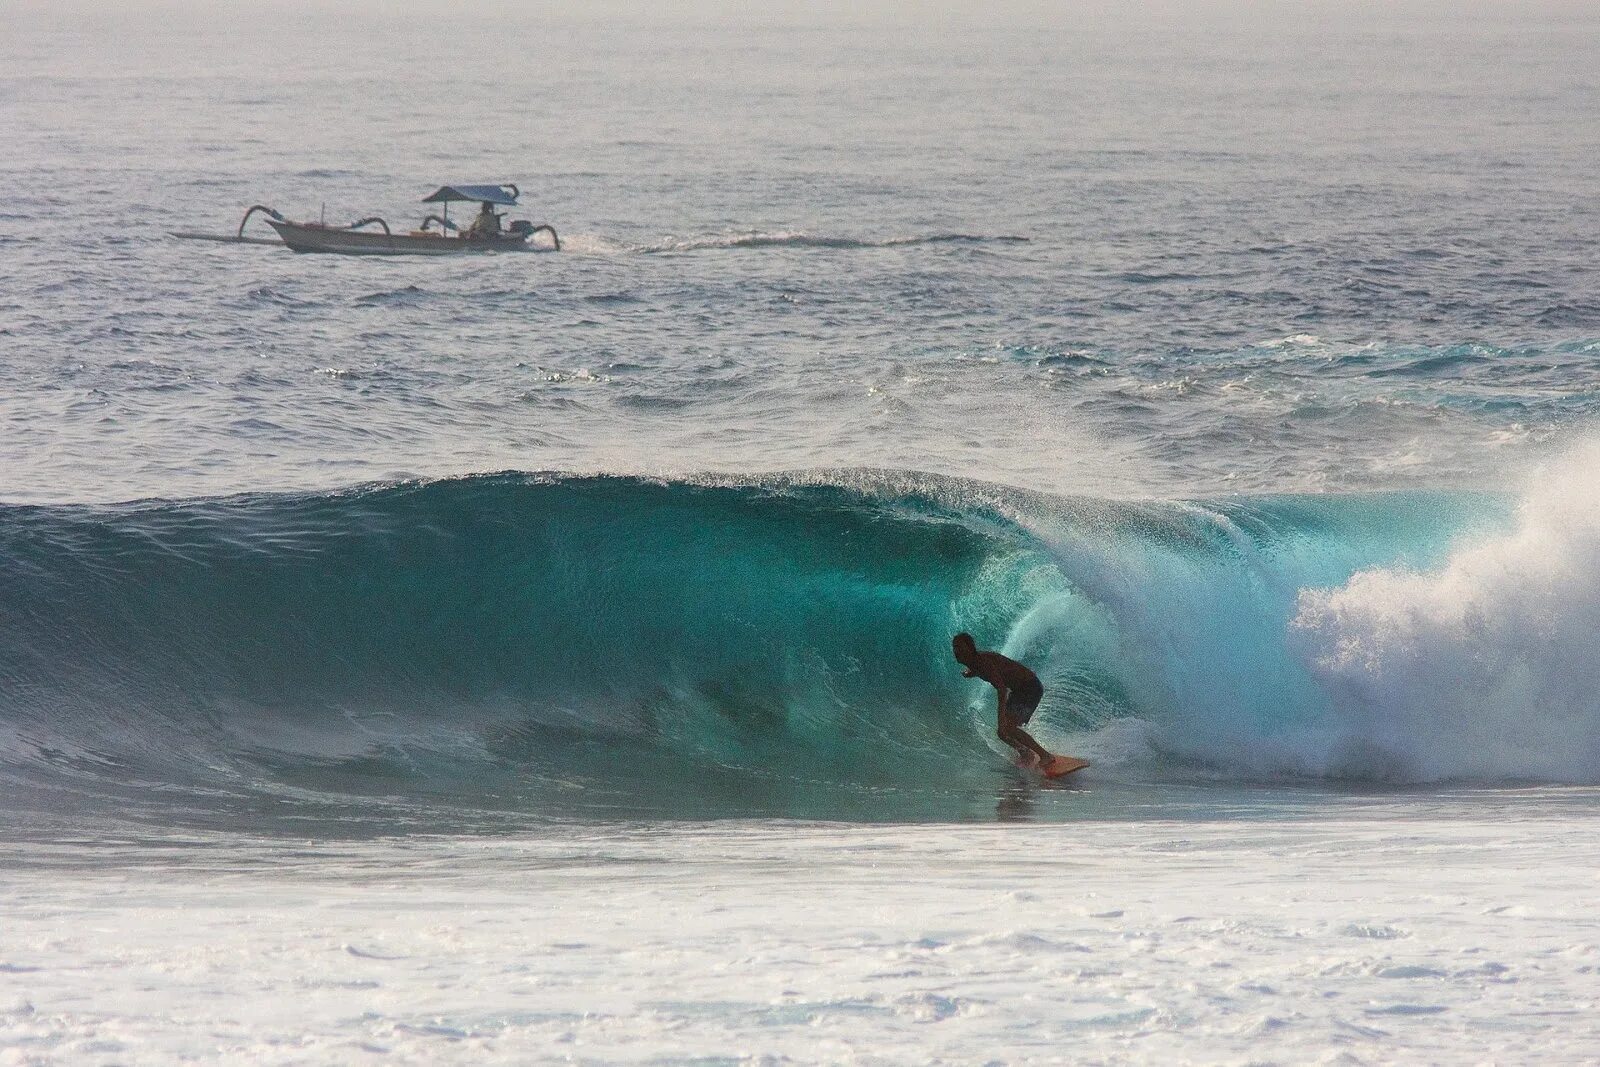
(484, 234)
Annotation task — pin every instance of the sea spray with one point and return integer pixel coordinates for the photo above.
(1188, 609)
(1485, 667)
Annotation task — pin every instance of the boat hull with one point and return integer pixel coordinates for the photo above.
(304, 237)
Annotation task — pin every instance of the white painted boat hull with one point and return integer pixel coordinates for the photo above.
(339, 241)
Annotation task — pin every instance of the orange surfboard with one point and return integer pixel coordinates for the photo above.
(1062, 766)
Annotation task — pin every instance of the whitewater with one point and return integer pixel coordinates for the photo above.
(545, 658)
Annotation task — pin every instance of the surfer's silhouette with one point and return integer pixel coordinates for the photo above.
(1018, 691)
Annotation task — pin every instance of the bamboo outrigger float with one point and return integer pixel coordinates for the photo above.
(485, 232)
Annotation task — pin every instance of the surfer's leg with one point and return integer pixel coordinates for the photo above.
(1044, 754)
(1012, 733)
(1005, 734)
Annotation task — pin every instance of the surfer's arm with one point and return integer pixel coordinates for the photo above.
(1001, 693)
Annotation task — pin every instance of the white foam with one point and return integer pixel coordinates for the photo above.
(1487, 667)
(1148, 941)
(1299, 340)
(593, 244)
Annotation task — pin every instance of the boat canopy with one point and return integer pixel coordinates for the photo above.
(505, 195)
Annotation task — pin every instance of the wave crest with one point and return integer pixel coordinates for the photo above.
(772, 641)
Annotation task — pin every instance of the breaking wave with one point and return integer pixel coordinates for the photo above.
(545, 639)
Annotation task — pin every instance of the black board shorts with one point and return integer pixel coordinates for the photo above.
(1023, 701)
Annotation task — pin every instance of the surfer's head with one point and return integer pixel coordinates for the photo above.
(965, 648)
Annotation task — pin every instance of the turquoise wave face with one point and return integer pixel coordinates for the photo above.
(563, 642)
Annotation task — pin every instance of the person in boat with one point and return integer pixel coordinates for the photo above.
(1018, 689)
(486, 224)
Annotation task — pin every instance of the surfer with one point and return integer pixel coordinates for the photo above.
(1019, 692)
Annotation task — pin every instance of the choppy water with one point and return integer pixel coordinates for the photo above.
(1129, 253)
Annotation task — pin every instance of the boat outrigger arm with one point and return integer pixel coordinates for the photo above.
(484, 234)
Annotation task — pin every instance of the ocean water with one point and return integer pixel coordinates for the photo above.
(542, 657)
